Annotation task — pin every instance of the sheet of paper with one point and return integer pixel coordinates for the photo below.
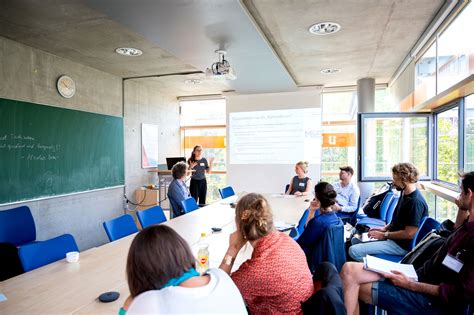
(385, 266)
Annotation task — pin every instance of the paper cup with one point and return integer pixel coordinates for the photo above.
(72, 257)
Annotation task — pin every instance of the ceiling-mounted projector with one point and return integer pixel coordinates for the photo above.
(221, 68)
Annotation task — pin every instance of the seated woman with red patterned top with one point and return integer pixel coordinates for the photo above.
(277, 278)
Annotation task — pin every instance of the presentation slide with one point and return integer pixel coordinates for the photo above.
(275, 137)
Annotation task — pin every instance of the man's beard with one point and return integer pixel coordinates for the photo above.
(398, 188)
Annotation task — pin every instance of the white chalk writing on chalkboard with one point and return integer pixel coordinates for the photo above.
(21, 137)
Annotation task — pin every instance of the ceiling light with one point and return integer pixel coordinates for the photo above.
(330, 71)
(221, 68)
(324, 28)
(192, 81)
(128, 51)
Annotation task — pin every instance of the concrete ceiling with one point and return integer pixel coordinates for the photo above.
(180, 36)
(375, 36)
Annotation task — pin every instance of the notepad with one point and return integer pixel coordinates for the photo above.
(283, 226)
(383, 266)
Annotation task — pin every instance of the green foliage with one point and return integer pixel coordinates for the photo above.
(448, 149)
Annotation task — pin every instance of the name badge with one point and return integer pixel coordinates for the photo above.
(301, 184)
(453, 263)
(202, 164)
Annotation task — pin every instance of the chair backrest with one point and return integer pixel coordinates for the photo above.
(353, 218)
(287, 187)
(120, 227)
(189, 204)
(295, 233)
(385, 205)
(226, 192)
(330, 247)
(41, 253)
(154, 215)
(391, 208)
(17, 226)
(427, 225)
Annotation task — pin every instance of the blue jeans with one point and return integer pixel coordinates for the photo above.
(399, 301)
(389, 247)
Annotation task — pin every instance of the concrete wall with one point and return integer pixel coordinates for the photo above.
(404, 85)
(30, 75)
(144, 105)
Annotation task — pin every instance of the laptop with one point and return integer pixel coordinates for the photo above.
(171, 161)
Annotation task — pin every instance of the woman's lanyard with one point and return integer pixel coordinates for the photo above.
(185, 276)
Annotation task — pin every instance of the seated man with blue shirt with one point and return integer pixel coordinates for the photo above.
(347, 192)
(396, 238)
(177, 190)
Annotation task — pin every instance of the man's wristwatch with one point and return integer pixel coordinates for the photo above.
(386, 235)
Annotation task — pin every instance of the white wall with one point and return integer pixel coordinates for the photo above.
(268, 178)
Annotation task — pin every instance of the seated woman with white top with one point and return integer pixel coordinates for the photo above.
(300, 185)
(162, 278)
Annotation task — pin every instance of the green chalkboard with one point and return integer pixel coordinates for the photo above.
(49, 151)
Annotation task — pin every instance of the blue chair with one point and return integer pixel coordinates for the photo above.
(392, 208)
(151, 216)
(226, 192)
(189, 204)
(287, 187)
(427, 225)
(120, 227)
(17, 226)
(384, 209)
(330, 248)
(41, 253)
(350, 217)
(299, 229)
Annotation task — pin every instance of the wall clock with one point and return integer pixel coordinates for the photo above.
(66, 86)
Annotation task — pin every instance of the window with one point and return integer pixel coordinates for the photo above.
(448, 60)
(447, 135)
(388, 139)
(456, 50)
(469, 134)
(203, 123)
(339, 133)
(384, 102)
(202, 112)
(425, 76)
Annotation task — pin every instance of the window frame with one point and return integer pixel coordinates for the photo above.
(459, 103)
(361, 145)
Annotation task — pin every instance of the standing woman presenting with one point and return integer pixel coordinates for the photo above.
(198, 186)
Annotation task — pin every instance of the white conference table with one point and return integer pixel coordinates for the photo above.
(73, 288)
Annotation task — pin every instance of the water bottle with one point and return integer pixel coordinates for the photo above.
(203, 254)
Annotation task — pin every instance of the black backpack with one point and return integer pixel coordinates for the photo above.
(429, 245)
(372, 205)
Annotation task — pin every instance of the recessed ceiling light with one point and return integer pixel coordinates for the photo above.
(330, 71)
(128, 51)
(192, 81)
(324, 28)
